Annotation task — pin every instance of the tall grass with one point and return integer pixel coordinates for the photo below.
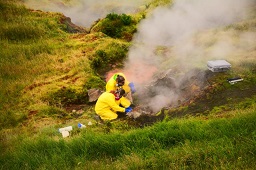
(29, 41)
(177, 144)
(38, 58)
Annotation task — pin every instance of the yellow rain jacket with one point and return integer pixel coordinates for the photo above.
(106, 106)
(111, 84)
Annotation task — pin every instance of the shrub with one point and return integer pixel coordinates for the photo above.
(103, 61)
(114, 25)
(126, 19)
(100, 57)
(112, 16)
(112, 28)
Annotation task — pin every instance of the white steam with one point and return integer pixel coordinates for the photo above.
(187, 33)
(86, 12)
(178, 38)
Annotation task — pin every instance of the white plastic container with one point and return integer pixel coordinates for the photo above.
(68, 128)
(65, 134)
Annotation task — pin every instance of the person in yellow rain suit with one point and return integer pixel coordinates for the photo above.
(118, 80)
(109, 103)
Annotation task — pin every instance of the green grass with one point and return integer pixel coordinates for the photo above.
(40, 58)
(191, 143)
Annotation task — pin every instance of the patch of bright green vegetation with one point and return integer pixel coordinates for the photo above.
(117, 26)
(110, 56)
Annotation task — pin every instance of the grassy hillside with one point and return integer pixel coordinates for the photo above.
(194, 143)
(47, 66)
(44, 62)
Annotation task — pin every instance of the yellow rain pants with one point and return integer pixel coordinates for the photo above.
(106, 106)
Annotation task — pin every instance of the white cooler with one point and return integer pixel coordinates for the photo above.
(218, 65)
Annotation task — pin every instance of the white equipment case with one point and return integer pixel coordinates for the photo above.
(218, 65)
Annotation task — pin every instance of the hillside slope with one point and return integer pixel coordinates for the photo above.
(48, 64)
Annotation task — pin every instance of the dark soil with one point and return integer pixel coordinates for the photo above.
(228, 96)
(215, 91)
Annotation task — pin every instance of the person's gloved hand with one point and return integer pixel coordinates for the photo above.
(131, 85)
(128, 109)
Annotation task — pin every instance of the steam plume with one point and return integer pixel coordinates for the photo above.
(182, 36)
(174, 39)
(85, 12)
